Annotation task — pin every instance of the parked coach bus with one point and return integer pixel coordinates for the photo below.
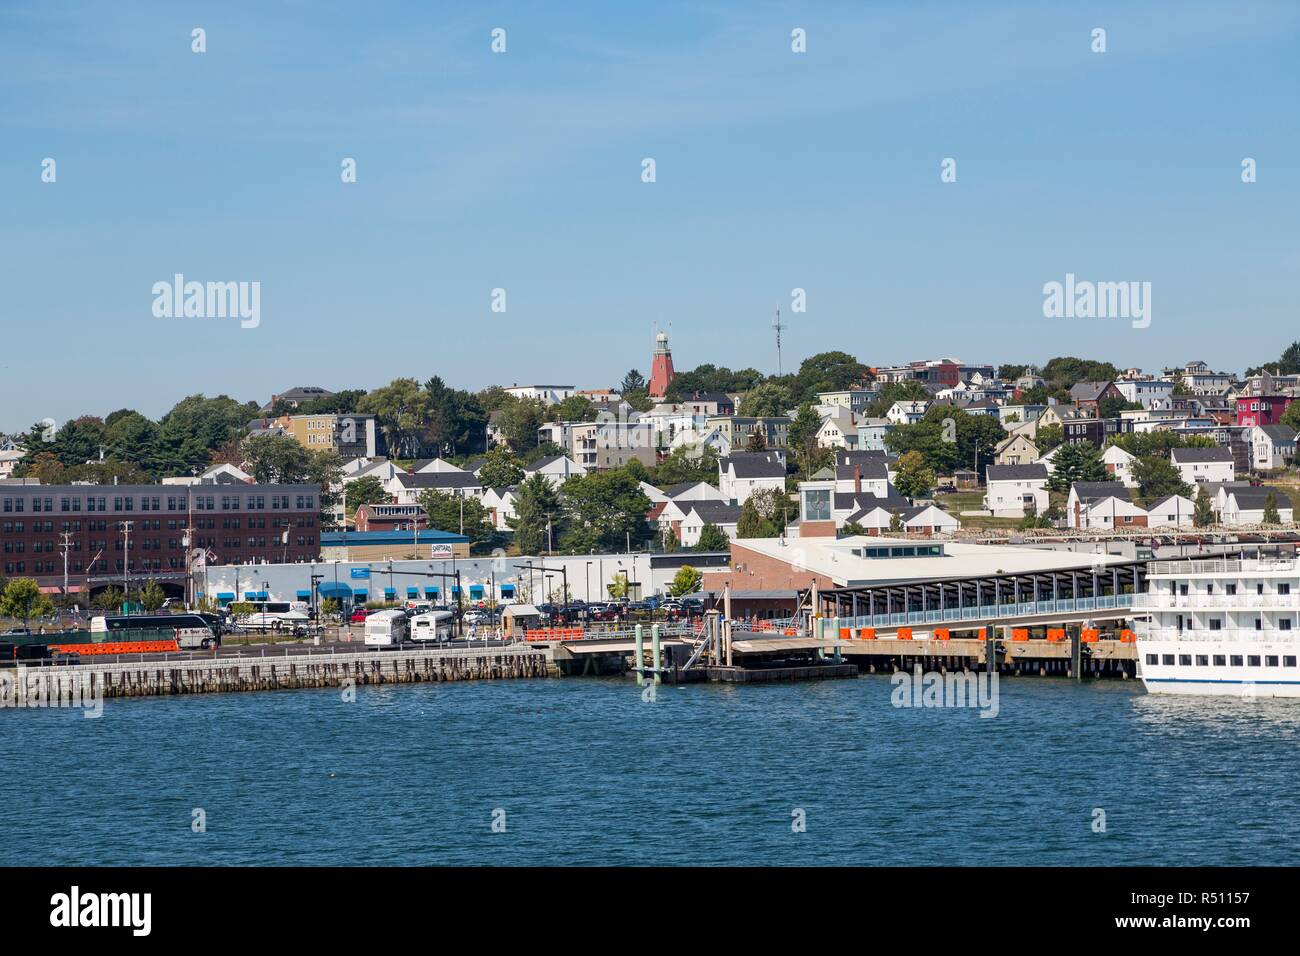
(192, 631)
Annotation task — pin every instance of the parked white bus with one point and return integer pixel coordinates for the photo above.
(292, 621)
(433, 626)
(387, 628)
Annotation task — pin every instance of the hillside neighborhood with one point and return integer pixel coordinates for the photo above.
(677, 461)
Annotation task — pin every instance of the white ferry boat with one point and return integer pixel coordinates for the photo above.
(1223, 627)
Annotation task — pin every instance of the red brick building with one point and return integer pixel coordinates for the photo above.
(137, 532)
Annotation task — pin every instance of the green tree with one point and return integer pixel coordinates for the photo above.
(500, 469)
(686, 581)
(1077, 462)
(603, 510)
(699, 463)
(1203, 512)
(1271, 515)
(276, 459)
(633, 381)
(401, 412)
(914, 478)
(803, 438)
(756, 442)
(109, 599)
(22, 599)
(152, 597)
(765, 514)
(457, 514)
(519, 419)
(1048, 437)
(536, 504)
(575, 408)
(852, 530)
(367, 490)
(712, 538)
(1157, 478)
(830, 372)
(767, 400)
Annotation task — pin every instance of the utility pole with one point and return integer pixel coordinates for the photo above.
(778, 327)
(67, 543)
(126, 558)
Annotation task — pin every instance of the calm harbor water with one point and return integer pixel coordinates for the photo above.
(587, 773)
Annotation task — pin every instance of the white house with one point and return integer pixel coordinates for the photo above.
(1102, 504)
(700, 513)
(433, 466)
(1246, 505)
(839, 429)
(1271, 446)
(1172, 511)
(557, 469)
(1016, 490)
(1203, 464)
(742, 474)
(1145, 391)
(1120, 464)
(858, 472)
(694, 491)
(407, 489)
(906, 413)
(928, 519)
(500, 504)
(547, 394)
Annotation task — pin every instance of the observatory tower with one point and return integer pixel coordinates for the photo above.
(661, 367)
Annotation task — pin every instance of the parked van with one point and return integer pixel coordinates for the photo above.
(387, 628)
(433, 626)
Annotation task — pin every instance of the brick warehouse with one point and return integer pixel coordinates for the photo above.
(136, 532)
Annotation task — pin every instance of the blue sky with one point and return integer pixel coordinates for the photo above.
(522, 171)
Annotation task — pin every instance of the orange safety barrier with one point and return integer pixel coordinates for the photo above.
(942, 633)
(846, 634)
(1056, 634)
(117, 647)
(868, 634)
(1126, 636)
(1020, 633)
(904, 634)
(1088, 635)
(790, 631)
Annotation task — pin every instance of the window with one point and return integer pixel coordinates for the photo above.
(1153, 658)
(817, 505)
(1184, 660)
(1288, 660)
(1216, 624)
(1284, 624)
(1270, 660)
(1232, 589)
(1168, 659)
(1202, 660)
(1236, 660)
(1253, 660)
(1283, 587)
(1220, 660)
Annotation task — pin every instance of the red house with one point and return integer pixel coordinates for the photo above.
(1262, 409)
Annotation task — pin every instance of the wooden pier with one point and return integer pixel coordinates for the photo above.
(206, 675)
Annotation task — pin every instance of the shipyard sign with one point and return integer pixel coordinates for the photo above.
(440, 551)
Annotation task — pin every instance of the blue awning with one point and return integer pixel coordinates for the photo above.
(304, 594)
(360, 594)
(430, 592)
(507, 589)
(476, 590)
(390, 592)
(412, 592)
(455, 590)
(334, 590)
(226, 596)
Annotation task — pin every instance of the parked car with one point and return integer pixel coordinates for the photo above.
(359, 615)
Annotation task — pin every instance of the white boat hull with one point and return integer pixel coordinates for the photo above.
(1251, 669)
